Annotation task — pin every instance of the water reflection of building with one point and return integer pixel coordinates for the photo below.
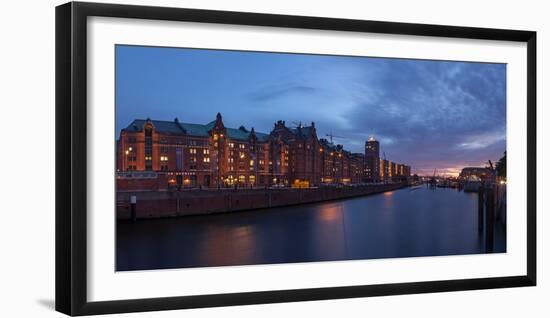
(213, 155)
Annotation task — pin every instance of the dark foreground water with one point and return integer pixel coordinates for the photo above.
(403, 223)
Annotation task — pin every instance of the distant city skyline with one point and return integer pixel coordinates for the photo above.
(428, 114)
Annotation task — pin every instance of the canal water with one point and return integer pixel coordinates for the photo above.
(404, 223)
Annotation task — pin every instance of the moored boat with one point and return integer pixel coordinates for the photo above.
(472, 184)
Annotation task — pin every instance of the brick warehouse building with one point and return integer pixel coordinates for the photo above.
(154, 154)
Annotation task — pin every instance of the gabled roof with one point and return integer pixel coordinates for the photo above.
(262, 137)
(165, 127)
(199, 130)
(327, 145)
(303, 132)
(238, 134)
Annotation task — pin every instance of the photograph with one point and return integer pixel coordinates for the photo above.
(233, 158)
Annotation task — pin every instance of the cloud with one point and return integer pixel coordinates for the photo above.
(435, 113)
(425, 113)
(278, 91)
(481, 141)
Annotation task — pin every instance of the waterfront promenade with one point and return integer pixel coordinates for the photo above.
(158, 204)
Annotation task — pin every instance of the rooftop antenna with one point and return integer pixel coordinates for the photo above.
(297, 123)
(372, 134)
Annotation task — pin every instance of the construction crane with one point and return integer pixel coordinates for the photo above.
(433, 180)
(331, 136)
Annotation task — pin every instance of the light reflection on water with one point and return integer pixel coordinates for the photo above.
(401, 223)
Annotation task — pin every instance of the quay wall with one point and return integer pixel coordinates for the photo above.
(158, 204)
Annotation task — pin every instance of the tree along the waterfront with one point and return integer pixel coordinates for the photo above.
(501, 166)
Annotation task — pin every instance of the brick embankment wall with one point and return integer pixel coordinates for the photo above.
(157, 204)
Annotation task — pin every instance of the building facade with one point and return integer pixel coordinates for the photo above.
(372, 159)
(477, 173)
(212, 155)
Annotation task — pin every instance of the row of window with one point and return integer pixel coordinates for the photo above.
(207, 160)
(232, 145)
(195, 143)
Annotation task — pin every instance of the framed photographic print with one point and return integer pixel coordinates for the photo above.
(210, 158)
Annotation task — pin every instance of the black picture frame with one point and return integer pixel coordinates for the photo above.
(71, 157)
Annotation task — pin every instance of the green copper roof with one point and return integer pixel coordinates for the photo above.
(199, 130)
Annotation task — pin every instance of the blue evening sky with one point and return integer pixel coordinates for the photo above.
(428, 114)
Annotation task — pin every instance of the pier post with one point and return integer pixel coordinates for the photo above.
(133, 202)
(480, 208)
(490, 211)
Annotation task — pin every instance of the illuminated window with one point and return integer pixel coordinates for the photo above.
(205, 159)
(148, 148)
(241, 179)
(241, 146)
(231, 145)
(205, 151)
(192, 151)
(241, 155)
(251, 162)
(163, 158)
